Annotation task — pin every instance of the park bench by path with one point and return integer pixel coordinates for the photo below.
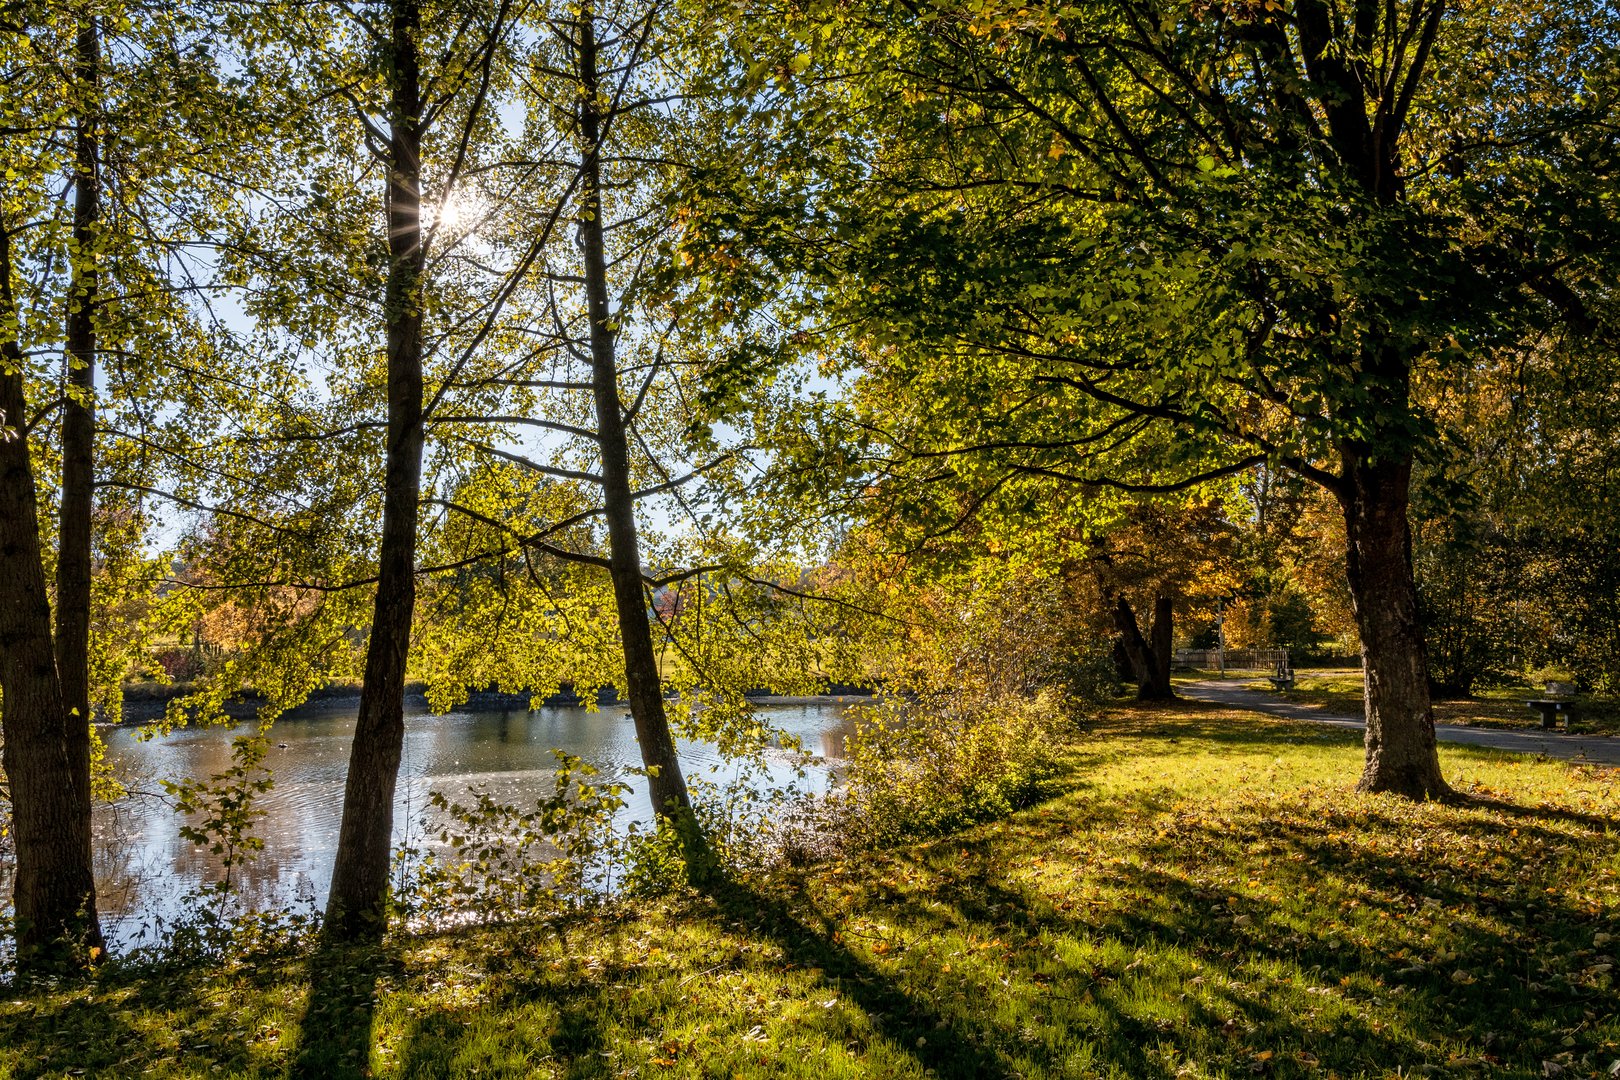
(1283, 677)
(1560, 701)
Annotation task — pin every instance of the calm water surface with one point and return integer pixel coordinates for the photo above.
(146, 869)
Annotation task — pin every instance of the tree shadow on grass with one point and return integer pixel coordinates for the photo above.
(587, 1024)
(1187, 957)
(1536, 816)
(538, 1015)
(92, 1027)
(1200, 722)
(1128, 1017)
(1455, 944)
(1025, 1006)
(335, 1032)
(935, 1040)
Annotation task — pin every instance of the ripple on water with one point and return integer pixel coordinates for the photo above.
(145, 870)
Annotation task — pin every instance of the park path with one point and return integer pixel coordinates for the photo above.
(1593, 749)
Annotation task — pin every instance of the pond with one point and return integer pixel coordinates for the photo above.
(146, 870)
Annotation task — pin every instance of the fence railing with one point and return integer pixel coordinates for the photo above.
(1267, 660)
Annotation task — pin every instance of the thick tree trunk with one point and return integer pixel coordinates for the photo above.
(665, 782)
(1150, 662)
(357, 905)
(54, 892)
(1401, 754)
(1162, 638)
(78, 441)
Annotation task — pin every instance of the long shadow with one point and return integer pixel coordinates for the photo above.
(447, 1043)
(1211, 722)
(576, 1041)
(50, 1042)
(971, 893)
(334, 1034)
(1186, 915)
(931, 1038)
(86, 1029)
(1498, 916)
(1597, 823)
(980, 894)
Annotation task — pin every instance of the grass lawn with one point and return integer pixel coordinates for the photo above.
(1497, 706)
(1207, 898)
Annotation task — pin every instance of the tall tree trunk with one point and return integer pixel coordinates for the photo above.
(357, 905)
(665, 781)
(54, 891)
(1151, 671)
(1375, 483)
(1401, 753)
(79, 438)
(1162, 639)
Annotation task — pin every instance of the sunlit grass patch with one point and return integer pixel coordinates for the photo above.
(1208, 898)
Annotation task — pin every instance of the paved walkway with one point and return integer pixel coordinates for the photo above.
(1596, 749)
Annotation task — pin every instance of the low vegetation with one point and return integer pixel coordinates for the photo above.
(1206, 897)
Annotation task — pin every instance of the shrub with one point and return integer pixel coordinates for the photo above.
(920, 768)
(499, 862)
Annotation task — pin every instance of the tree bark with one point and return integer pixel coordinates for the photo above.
(357, 906)
(665, 782)
(74, 536)
(1375, 483)
(1150, 662)
(1401, 753)
(54, 891)
(1162, 638)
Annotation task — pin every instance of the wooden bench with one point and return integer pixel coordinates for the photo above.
(1284, 678)
(1560, 701)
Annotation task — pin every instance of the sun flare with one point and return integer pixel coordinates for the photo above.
(459, 212)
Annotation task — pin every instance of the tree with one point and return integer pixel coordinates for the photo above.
(469, 58)
(360, 870)
(478, 361)
(614, 383)
(72, 273)
(44, 671)
(349, 313)
(54, 891)
(1516, 532)
(1160, 557)
(1242, 232)
(1294, 594)
(596, 108)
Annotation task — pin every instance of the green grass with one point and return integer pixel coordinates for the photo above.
(1209, 898)
(1499, 706)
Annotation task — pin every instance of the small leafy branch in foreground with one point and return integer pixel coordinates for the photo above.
(219, 815)
(221, 809)
(500, 862)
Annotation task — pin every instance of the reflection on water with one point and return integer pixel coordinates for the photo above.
(145, 868)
